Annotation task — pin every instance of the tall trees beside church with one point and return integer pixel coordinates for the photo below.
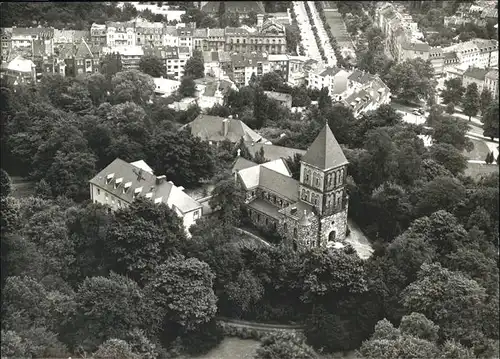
(490, 121)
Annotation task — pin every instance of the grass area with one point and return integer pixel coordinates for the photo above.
(232, 348)
(479, 152)
(476, 170)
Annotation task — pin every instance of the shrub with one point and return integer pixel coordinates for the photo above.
(203, 339)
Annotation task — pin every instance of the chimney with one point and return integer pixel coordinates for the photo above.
(225, 126)
(260, 20)
(160, 179)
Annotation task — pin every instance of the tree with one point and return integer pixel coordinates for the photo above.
(115, 349)
(419, 326)
(411, 80)
(471, 101)
(245, 291)
(174, 286)
(441, 193)
(111, 65)
(437, 289)
(450, 108)
(110, 307)
(141, 236)
(187, 87)
(227, 199)
(486, 99)
(132, 85)
(491, 122)
(259, 157)
(453, 91)
(284, 346)
(294, 165)
(98, 87)
(448, 156)
(5, 183)
(453, 132)
(271, 81)
(152, 65)
(195, 66)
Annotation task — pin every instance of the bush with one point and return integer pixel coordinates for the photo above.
(203, 339)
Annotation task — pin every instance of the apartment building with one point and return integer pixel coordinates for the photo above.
(477, 53)
(71, 36)
(120, 183)
(98, 35)
(130, 55)
(149, 33)
(475, 75)
(243, 66)
(270, 37)
(491, 82)
(120, 33)
(174, 58)
(19, 38)
(185, 37)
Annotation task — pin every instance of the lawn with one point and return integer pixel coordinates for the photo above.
(232, 348)
(476, 170)
(479, 152)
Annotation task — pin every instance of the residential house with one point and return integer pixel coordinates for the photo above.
(333, 78)
(98, 35)
(120, 183)
(491, 82)
(243, 66)
(297, 74)
(365, 92)
(71, 36)
(185, 36)
(18, 71)
(210, 91)
(242, 8)
(23, 37)
(279, 63)
(215, 129)
(130, 55)
(310, 212)
(120, 34)
(85, 62)
(170, 36)
(165, 87)
(148, 33)
(475, 75)
(284, 99)
(435, 55)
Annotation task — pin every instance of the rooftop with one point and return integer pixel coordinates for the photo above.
(325, 152)
(273, 152)
(476, 73)
(279, 96)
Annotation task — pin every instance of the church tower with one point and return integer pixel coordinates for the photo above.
(323, 174)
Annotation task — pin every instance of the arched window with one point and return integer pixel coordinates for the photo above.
(342, 176)
(294, 245)
(285, 227)
(304, 195)
(331, 236)
(306, 175)
(267, 221)
(295, 233)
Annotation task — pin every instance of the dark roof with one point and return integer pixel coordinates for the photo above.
(279, 183)
(325, 151)
(273, 152)
(330, 71)
(242, 163)
(40, 31)
(83, 50)
(264, 207)
(416, 46)
(241, 7)
(476, 73)
(360, 76)
(450, 55)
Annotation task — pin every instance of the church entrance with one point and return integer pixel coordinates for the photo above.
(331, 236)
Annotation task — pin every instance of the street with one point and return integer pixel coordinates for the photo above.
(306, 33)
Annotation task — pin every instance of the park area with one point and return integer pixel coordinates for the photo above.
(337, 26)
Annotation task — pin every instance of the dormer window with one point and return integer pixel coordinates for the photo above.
(158, 200)
(137, 191)
(118, 182)
(126, 187)
(109, 178)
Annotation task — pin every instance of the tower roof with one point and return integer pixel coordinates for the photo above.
(325, 151)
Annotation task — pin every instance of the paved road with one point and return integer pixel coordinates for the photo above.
(306, 34)
(323, 36)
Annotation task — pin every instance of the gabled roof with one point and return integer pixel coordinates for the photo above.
(165, 191)
(21, 64)
(210, 128)
(360, 77)
(476, 73)
(242, 163)
(83, 50)
(325, 152)
(215, 32)
(273, 152)
(330, 71)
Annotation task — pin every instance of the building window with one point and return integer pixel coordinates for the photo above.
(295, 233)
(285, 227)
(196, 214)
(106, 197)
(98, 192)
(119, 204)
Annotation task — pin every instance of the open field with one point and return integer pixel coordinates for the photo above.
(479, 152)
(476, 170)
(232, 348)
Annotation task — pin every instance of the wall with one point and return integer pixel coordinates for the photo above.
(252, 330)
(189, 218)
(99, 195)
(469, 80)
(306, 236)
(336, 222)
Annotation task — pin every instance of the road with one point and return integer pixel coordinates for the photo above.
(323, 36)
(306, 33)
(475, 129)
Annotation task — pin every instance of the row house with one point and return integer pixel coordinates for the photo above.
(209, 39)
(149, 33)
(174, 59)
(120, 34)
(98, 35)
(170, 36)
(130, 55)
(476, 52)
(491, 82)
(119, 184)
(70, 36)
(244, 66)
(270, 38)
(185, 37)
(22, 38)
(78, 59)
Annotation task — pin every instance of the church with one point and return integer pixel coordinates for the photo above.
(311, 212)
